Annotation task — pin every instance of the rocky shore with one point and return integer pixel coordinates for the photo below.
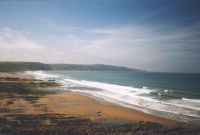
(60, 125)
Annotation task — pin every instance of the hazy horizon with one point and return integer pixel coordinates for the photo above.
(160, 36)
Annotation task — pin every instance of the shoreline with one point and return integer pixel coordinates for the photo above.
(142, 115)
(98, 100)
(158, 101)
(23, 99)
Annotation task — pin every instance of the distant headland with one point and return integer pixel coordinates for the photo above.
(24, 66)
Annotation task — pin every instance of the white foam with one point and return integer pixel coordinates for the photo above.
(111, 87)
(141, 104)
(191, 100)
(166, 91)
(41, 74)
(133, 97)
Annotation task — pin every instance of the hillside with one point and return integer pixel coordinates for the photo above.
(23, 66)
(96, 67)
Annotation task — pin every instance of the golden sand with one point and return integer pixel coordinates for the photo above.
(77, 104)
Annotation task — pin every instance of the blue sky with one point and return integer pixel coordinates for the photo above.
(156, 35)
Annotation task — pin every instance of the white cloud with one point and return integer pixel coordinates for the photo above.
(12, 39)
(14, 45)
(132, 46)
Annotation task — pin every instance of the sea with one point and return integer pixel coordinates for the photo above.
(170, 95)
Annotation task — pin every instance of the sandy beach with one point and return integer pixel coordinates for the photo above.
(50, 109)
(82, 105)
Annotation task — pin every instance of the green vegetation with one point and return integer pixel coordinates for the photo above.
(97, 67)
(23, 66)
(23, 88)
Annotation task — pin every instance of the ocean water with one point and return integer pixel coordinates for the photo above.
(170, 95)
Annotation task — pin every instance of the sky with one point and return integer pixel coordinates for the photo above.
(152, 35)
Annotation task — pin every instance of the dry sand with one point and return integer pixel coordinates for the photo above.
(77, 104)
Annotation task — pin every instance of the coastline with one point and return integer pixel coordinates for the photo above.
(88, 111)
